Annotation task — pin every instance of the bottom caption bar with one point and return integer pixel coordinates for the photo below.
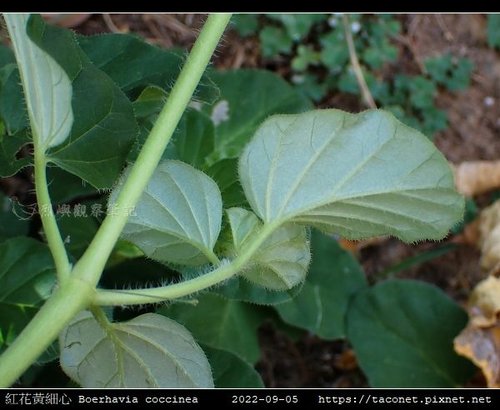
(237, 398)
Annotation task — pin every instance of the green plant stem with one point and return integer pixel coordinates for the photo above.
(77, 291)
(72, 297)
(153, 295)
(49, 223)
(212, 257)
(92, 263)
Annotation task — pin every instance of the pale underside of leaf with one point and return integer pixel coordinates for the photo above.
(282, 260)
(178, 218)
(356, 174)
(47, 87)
(148, 351)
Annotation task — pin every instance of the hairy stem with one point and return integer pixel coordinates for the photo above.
(159, 294)
(49, 223)
(91, 265)
(72, 297)
(77, 291)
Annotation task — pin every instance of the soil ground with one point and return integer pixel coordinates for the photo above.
(473, 133)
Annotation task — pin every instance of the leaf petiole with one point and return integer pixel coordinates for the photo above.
(188, 287)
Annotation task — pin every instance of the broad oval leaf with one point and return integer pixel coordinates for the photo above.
(402, 332)
(104, 127)
(27, 277)
(333, 279)
(231, 371)
(147, 351)
(359, 175)
(47, 87)
(194, 138)
(281, 261)
(133, 64)
(178, 217)
(220, 323)
(225, 173)
(246, 108)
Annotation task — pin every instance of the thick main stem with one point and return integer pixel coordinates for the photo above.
(91, 265)
(62, 306)
(76, 292)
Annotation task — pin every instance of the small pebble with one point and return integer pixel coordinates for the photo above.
(355, 27)
(489, 101)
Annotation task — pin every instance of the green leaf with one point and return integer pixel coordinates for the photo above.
(13, 116)
(178, 217)
(225, 174)
(297, 25)
(438, 67)
(78, 227)
(494, 30)
(461, 74)
(305, 56)
(149, 102)
(12, 105)
(26, 281)
(65, 187)
(281, 261)
(6, 56)
(104, 127)
(10, 145)
(147, 107)
(450, 72)
(416, 260)
(337, 171)
(241, 289)
(245, 24)
(402, 332)
(147, 351)
(310, 86)
(194, 138)
(130, 61)
(246, 114)
(47, 87)
(334, 277)
(421, 91)
(220, 323)
(434, 120)
(133, 64)
(334, 51)
(11, 225)
(230, 371)
(379, 54)
(273, 41)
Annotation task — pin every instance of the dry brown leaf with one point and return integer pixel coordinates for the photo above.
(484, 303)
(489, 236)
(476, 177)
(480, 340)
(482, 347)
